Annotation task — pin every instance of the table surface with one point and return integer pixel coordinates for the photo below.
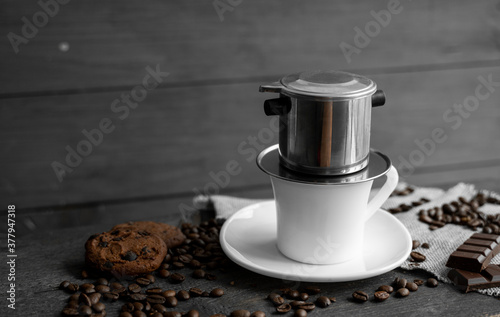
(177, 141)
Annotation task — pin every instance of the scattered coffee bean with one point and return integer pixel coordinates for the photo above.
(402, 292)
(300, 313)
(85, 310)
(276, 299)
(386, 288)
(159, 308)
(170, 301)
(307, 306)
(217, 292)
(64, 284)
(143, 281)
(172, 314)
(411, 286)
(312, 290)
(199, 273)
(183, 295)
(258, 313)
(177, 278)
(425, 245)
(117, 287)
(418, 282)
(164, 273)
(415, 244)
(138, 306)
(156, 314)
(134, 288)
(432, 282)
(111, 296)
(283, 308)
(400, 282)
(381, 296)
(210, 277)
(323, 301)
(218, 315)
(195, 292)
(169, 293)
(70, 312)
(292, 294)
(139, 313)
(155, 299)
(303, 296)
(154, 290)
(192, 313)
(137, 297)
(240, 313)
(72, 287)
(360, 296)
(417, 257)
(102, 288)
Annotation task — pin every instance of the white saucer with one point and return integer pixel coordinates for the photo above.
(249, 238)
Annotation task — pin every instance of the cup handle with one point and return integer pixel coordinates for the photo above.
(390, 184)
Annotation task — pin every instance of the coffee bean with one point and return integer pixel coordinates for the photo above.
(172, 314)
(360, 296)
(169, 293)
(84, 299)
(418, 282)
(164, 273)
(95, 297)
(154, 290)
(199, 273)
(139, 297)
(134, 288)
(432, 282)
(126, 314)
(139, 313)
(64, 284)
(218, 315)
(296, 303)
(195, 292)
(276, 299)
(381, 296)
(192, 313)
(170, 301)
(177, 278)
(425, 245)
(312, 290)
(138, 306)
(417, 257)
(74, 297)
(72, 287)
(323, 301)
(159, 308)
(303, 296)
(102, 288)
(402, 292)
(183, 295)
(73, 304)
(205, 294)
(70, 312)
(98, 307)
(258, 313)
(386, 288)
(411, 286)
(177, 265)
(307, 306)
(156, 314)
(117, 287)
(210, 277)
(283, 308)
(85, 310)
(415, 244)
(111, 296)
(217, 292)
(240, 313)
(300, 313)
(292, 294)
(400, 282)
(143, 281)
(155, 299)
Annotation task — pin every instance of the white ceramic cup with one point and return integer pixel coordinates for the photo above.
(324, 224)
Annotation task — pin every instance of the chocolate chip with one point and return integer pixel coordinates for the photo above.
(130, 256)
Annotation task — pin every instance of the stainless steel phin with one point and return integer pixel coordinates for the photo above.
(325, 120)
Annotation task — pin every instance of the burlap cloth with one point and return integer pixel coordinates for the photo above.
(442, 241)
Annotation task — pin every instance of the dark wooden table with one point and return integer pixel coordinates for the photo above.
(431, 59)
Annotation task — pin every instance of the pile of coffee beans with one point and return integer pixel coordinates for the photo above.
(404, 192)
(463, 212)
(406, 207)
(299, 300)
(400, 287)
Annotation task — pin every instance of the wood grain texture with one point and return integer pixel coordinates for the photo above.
(177, 142)
(110, 43)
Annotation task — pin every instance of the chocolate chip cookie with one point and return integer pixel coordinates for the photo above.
(125, 251)
(172, 236)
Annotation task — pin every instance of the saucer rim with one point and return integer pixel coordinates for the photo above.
(305, 278)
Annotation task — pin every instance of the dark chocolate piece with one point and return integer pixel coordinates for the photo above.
(471, 281)
(476, 253)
